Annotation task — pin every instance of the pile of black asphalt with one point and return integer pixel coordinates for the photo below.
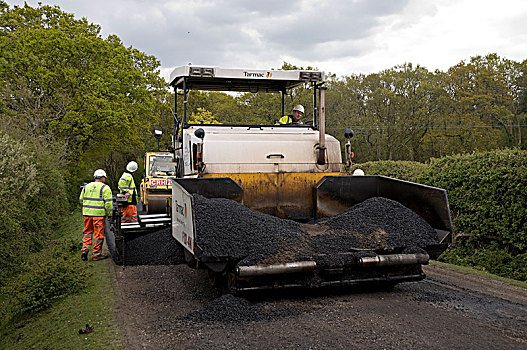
(228, 229)
(225, 228)
(377, 223)
(155, 248)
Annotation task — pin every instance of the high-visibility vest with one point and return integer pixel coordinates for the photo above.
(287, 119)
(96, 199)
(127, 184)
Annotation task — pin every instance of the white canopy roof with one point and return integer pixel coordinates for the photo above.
(244, 80)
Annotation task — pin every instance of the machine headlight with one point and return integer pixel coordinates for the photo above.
(201, 72)
(311, 76)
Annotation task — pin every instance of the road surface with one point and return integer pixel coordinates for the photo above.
(176, 307)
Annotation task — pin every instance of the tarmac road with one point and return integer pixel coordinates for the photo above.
(176, 307)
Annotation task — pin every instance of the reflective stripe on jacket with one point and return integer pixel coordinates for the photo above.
(127, 184)
(287, 119)
(96, 199)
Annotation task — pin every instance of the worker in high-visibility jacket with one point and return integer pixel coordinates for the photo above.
(96, 199)
(298, 112)
(127, 187)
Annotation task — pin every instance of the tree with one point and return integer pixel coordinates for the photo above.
(521, 109)
(202, 116)
(482, 113)
(390, 111)
(62, 78)
(407, 112)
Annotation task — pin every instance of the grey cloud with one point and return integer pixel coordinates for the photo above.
(265, 8)
(335, 21)
(296, 28)
(212, 32)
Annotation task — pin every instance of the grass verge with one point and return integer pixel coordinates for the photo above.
(57, 326)
(474, 271)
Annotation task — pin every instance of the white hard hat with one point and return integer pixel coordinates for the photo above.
(299, 108)
(132, 166)
(358, 172)
(99, 173)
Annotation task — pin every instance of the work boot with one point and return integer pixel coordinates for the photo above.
(99, 257)
(84, 256)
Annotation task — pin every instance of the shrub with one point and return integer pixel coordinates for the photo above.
(50, 201)
(486, 194)
(47, 275)
(401, 169)
(48, 280)
(33, 197)
(18, 182)
(491, 258)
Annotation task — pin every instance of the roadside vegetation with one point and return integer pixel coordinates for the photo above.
(479, 272)
(72, 101)
(488, 208)
(55, 294)
(487, 203)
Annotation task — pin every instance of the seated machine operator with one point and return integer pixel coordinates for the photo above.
(298, 112)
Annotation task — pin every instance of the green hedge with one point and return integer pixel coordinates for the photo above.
(487, 256)
(33, 197)
(39, 255)
(488, 204)
(487, 195)
(404, 170)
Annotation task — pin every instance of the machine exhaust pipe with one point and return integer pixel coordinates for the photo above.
(321, 149)
(255, 270)
(394, 259)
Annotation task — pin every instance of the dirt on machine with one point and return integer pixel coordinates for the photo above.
(272, 206)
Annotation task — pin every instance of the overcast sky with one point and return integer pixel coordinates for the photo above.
(337, 36)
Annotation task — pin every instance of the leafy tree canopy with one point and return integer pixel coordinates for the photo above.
(61, 77)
